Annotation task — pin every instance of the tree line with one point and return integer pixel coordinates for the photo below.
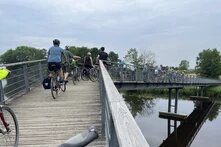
(25, 53)
(208, 61)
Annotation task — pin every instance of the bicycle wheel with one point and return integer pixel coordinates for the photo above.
(9, 135)
(93, 74)
(74, 75)
(54, 88)
(63, 86)
(84, 74)
(78, 74)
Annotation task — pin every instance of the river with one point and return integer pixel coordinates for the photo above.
(146, 113)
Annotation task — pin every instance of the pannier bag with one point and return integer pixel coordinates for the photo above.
(46, 83)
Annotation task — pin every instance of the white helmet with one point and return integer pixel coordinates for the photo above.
(89, 54)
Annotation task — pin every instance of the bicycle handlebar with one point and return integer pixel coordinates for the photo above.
(82, 139)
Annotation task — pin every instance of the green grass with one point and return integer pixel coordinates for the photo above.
(213, 92)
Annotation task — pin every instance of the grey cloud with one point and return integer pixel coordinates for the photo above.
(177, 28)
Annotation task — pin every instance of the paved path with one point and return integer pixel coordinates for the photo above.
(45, 122)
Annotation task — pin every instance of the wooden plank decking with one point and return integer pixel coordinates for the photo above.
(45, 122)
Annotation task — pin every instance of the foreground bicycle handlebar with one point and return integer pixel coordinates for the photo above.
(82, 139)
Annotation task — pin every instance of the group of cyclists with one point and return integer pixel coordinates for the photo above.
(62, 59)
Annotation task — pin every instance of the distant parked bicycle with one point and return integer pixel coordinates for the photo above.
(56, 83)
(9, 130)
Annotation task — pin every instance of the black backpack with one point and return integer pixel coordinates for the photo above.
(46, 83)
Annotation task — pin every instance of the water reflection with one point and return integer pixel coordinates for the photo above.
(214, 112)
(188, 129)
(139, 105)
(155, 129)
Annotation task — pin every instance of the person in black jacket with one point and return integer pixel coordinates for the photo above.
(88, 62)
(102, 56)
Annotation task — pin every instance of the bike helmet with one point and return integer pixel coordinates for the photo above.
(56, 42)
(66, 47)
(89, 54)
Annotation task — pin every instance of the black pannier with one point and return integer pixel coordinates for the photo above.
(46, 83)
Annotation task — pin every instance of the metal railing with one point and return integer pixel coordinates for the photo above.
(24, 76)
(118, 124)
(127, 72)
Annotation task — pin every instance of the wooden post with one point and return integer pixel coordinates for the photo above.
(169, 110)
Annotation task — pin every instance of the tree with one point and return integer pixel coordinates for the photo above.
(208, 63)
(147, 57)
(184, 65)
(132, 57)
(23, 53)
(94, 52)
(113, 56)
(79, 51)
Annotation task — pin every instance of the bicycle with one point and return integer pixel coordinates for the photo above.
(9, 129)
(75, 74)
(56, 84)
(88, 73)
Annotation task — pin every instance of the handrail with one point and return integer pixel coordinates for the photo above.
(22, 78)
(25, 62)
(120, 127)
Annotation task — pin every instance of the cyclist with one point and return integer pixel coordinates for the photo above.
(88, 62)
(4, 73)
(102, 56)
(54, 58)
(67, 61)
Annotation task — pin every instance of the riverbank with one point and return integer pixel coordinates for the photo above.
(185, 93)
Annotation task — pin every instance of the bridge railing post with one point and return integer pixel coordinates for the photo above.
(121, 73)
(136, 73)
(25, 72)
(113, 136)
(2, 92)
(40, 71)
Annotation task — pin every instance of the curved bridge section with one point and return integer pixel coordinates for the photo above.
(129, 77)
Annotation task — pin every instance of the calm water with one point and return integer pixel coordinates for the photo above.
(155, 129)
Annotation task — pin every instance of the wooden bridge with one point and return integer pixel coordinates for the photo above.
(45, 122)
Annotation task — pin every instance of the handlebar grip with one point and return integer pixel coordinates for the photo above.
(82, 139)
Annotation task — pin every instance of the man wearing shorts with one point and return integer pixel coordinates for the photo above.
(54, 58)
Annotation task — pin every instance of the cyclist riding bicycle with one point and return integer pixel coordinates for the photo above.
(54, 58)
(88, 62)
(67, 61)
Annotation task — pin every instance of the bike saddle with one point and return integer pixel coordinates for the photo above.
(82, 139)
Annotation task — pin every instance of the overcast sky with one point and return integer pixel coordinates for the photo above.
(172, 29)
